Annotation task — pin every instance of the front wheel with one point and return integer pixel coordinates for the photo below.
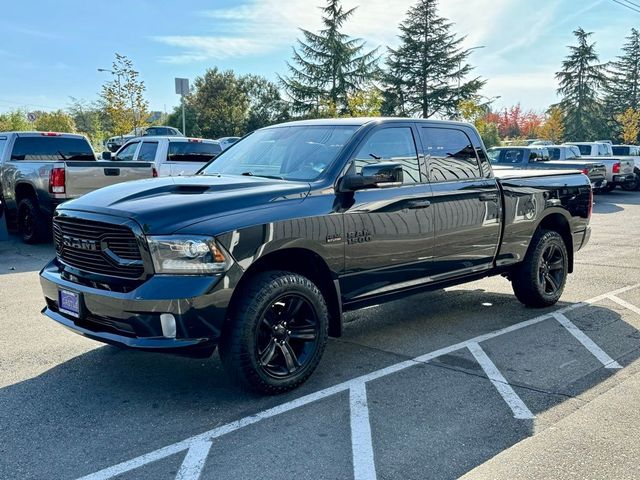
(539, 281)
(277, 334)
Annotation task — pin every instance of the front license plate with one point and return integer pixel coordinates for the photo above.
(69, 303)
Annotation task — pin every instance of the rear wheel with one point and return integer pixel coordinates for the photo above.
(539, 281)
(277, 334)
(634, 184)
(32, 224)
(610, 187)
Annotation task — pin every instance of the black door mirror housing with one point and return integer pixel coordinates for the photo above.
(106, 155)
(376, 175)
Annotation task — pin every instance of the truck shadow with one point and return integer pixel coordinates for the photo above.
(18, 257)
(615, 201)
(109, 405)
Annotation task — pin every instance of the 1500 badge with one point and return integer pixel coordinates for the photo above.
(360, 236)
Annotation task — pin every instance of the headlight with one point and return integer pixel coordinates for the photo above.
(187, 255)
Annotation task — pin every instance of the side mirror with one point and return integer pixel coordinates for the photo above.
(106, 155)
(377, 175)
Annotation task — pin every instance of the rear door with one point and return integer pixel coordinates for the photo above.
(187, 157)
(389, 231)
(466, 201)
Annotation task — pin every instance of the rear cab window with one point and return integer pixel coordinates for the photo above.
(192, 151)
(450, 155)
(51, 149)
(622, 151)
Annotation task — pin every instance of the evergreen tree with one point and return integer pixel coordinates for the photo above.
(328, 65)
(623, 85)
(426, 72)
(580, 80)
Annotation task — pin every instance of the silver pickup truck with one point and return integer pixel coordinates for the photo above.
(620, 170)
(40, 170)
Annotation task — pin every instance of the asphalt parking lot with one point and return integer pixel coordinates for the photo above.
(432, 386)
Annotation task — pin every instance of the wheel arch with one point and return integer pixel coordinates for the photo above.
(559, 223)
(304, 262)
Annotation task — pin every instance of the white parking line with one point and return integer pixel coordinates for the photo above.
(193, 463)
(509, 395)
(624, 303)
(364, 467)
(589, 344)
(167, 451)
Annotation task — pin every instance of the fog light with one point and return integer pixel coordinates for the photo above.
(168, 324)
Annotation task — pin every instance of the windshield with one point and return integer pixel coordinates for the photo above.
(290, 153)
(506, 155)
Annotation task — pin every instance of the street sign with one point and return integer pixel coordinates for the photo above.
(31, 116)
(182, 86)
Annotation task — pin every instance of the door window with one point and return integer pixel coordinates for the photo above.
(127, 152)
(3, 142)
(148, 151)
(450, 155)
(395, 144)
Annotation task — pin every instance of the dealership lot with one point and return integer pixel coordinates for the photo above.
(427, 387)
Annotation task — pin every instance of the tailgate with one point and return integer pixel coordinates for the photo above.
(626, 166)
(85, 177)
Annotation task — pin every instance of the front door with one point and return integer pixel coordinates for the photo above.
(389, 231)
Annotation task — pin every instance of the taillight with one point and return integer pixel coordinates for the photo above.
(195, 140)
(616, 167)
(56, 180)
(590, 209)
(51, 134)
(585, 171)
(154, 172)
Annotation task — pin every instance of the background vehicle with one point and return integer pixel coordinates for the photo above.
(262, 251)
(117, 141)
(630, 152)
(226, 142)
(38, 171)
(619, 170)
(539, 157)
(172, 156)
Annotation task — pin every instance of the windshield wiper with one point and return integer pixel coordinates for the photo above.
(251, 174)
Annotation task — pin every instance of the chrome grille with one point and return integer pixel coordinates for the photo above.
(97, 247)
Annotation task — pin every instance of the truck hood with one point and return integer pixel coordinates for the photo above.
(166, 205)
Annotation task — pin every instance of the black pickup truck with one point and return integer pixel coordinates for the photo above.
(261, 252)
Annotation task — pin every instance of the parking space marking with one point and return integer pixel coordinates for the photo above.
(511, 398)
(194, 460)
(624, 303)
(589, 344)
(364, 467)
(127, 466)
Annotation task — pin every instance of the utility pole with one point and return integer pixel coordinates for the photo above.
(182, 89)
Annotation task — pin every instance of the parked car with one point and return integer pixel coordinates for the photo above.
(114, 143)
(172, 156)
(630, 152)
(39, 171)
(619, 169)
(539, 157)
(226, 142)
(264, 249)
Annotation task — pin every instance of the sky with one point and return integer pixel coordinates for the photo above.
(50, 51)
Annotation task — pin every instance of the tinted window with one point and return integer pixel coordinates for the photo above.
(507, 155)
(3, 142)
(193, 151)
(51, 149)
(584, 149)
(126, 154)
(148, 151)
(450, 155)
(391, 145)
(622, 151)
(293, 152)
(554, 153)
(602, 150)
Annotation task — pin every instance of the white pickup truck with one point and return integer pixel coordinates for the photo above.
(620, 170)
(172, 156)
(630, 152)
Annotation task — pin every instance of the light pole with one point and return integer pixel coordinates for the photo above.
(460, 61)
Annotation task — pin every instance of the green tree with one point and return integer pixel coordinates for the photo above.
(329, 65)
(15, 121)
(191, 118)
(472, 111)
(365, 103)
(580, 80)
(90, 120)
(266, 105)
(553, 127)
(123, 97)
(623, 84)
(426, 72)
(57, 121)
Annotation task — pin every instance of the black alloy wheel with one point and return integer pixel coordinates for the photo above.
(287, 336)
(551, 271)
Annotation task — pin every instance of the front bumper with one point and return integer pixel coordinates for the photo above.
(132, 318)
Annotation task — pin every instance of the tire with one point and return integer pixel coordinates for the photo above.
(633, 185)
(277, 334)
(32, 224)
(608, 188)
(540, 279)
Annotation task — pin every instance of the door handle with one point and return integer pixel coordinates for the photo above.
(488, 197)
(112, 172)
(415, 204)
